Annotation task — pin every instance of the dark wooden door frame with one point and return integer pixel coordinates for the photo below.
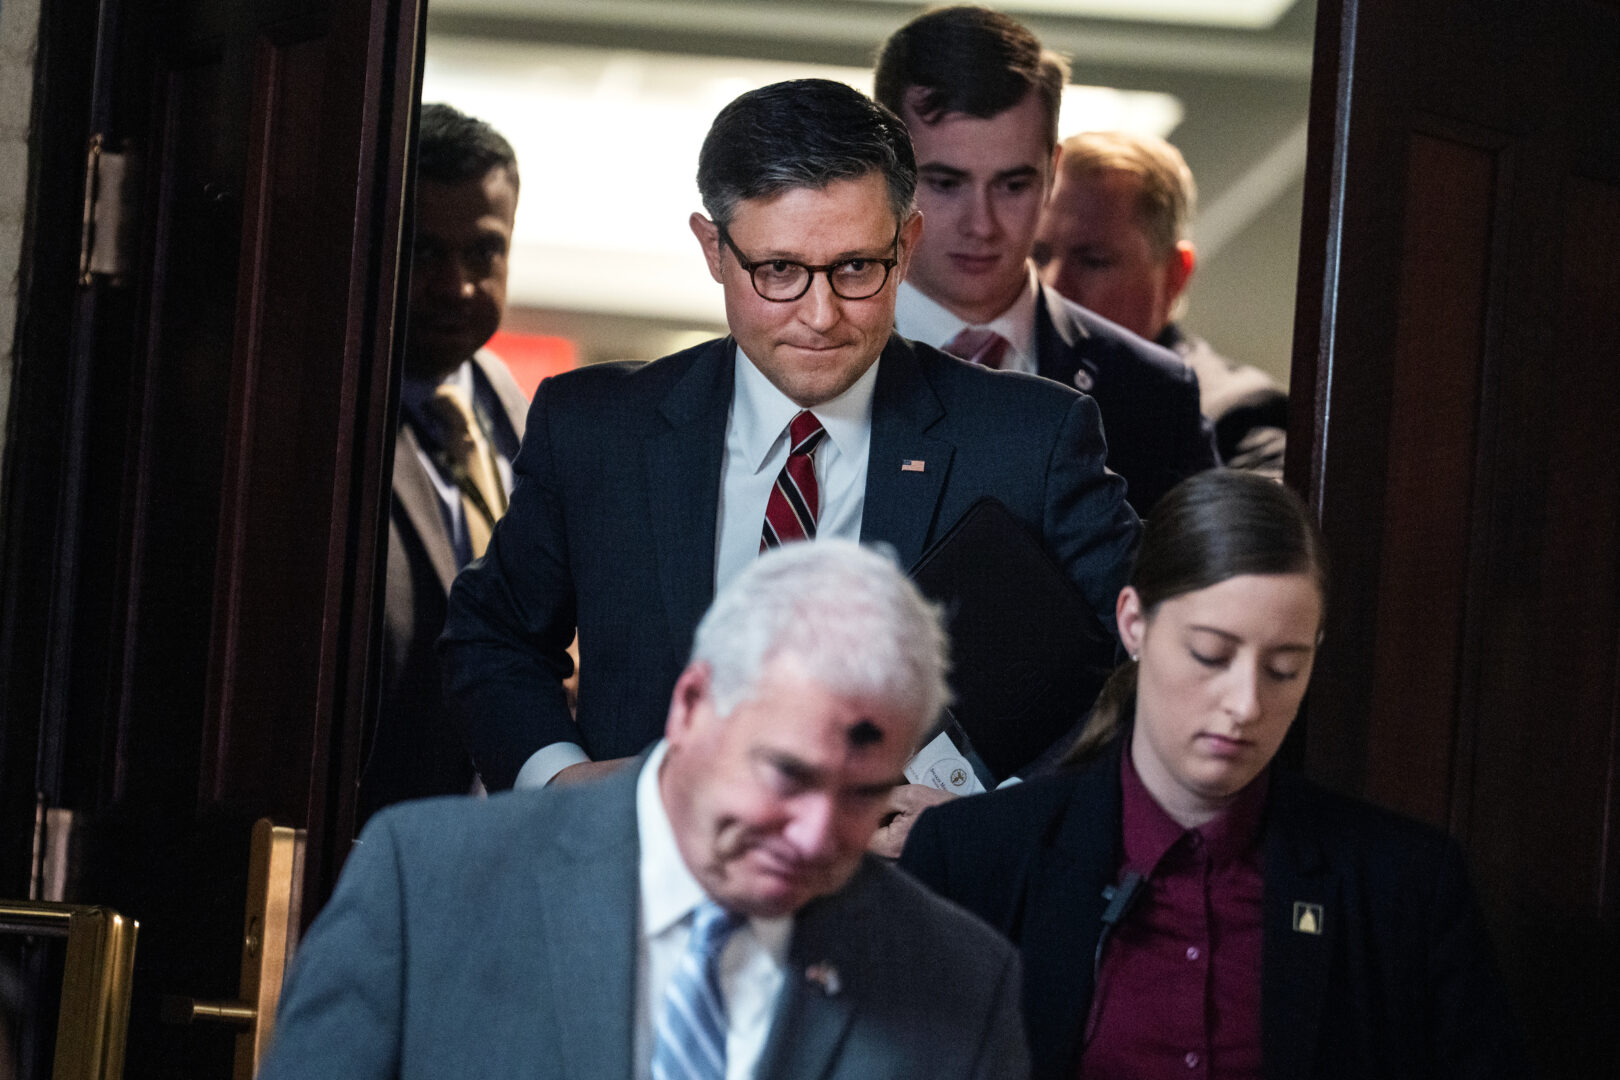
(299, 489)
(1452, 424)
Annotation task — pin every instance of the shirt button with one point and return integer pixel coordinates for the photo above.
(1192, 952)
(1191, 1059)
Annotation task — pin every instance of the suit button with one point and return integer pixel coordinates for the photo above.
(1191, 1059)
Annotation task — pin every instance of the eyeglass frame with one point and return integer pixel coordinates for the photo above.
(825, 269)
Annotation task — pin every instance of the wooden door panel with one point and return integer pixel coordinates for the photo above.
(280, 462)
(1458, 333)
(220, 616)
(1438, 357)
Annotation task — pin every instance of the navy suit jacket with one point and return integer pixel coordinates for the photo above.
(1149, 399)
(612, 529)
(1398, 985)
(497, 938)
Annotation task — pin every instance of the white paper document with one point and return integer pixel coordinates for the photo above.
(941, 765)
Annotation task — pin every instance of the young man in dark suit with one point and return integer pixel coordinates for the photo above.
(644, 488)
(980, 98)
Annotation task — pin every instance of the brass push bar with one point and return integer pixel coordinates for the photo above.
(94, 1016)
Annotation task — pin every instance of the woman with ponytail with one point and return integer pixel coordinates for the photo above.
(1186, 908)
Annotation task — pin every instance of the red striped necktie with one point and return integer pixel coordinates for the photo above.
(983, 347)
(796, 499)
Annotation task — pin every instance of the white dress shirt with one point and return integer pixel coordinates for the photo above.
(924, 319)
(756, 449)
(752, 965)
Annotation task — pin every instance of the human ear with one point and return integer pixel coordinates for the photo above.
(910, 233)
(708, 237)
(690, 693)
(1178, 270)
(1131, 619)
(1052, 173)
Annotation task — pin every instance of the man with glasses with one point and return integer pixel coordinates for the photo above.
(643, 489)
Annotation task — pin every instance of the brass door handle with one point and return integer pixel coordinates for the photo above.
(175, 1009)
(269, 932)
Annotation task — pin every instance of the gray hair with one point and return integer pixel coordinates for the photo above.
(845, 614)
(805, 133)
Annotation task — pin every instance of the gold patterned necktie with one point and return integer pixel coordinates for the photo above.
(472, 463)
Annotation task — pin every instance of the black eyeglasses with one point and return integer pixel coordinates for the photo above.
(783, 280)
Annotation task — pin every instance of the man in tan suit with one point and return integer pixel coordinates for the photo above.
(461, 418)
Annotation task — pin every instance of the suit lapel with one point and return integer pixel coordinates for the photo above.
(1065, 907)
(901, 502)
(1058, 344)
(830, 948)
(1296, 951)
(683, 484)
(507, 390)
(420, 500)
(591, 882)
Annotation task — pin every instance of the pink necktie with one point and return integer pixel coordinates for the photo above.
(983, 347)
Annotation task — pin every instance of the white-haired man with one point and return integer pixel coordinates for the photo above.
(711, 913)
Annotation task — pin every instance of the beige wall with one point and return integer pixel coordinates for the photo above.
(19, 29)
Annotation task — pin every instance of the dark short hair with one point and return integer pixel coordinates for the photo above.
(805, 133)
(452, 147)
(968, 60)
(1212, 526)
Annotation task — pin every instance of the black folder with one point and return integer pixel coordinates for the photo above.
(1028, 655)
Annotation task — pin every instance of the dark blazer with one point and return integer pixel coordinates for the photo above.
(1149, 399)
(416, 748)
(497, 938)
(1398, 984)
(612, 528)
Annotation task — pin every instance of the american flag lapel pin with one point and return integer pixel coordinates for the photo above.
(913, 465)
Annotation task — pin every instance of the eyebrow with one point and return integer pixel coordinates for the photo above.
(803, 771)
(881, 786)
(797, 257)
(1227, 635)
(951, 172)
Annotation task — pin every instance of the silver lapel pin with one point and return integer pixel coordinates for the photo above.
(825, 976)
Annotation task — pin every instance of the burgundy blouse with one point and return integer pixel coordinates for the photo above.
(1179, 990)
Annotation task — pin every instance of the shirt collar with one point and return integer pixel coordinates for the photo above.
(932, 323)
(669, 892)
(1149, 832)
(761, 412)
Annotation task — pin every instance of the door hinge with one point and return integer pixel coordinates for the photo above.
(111, 187)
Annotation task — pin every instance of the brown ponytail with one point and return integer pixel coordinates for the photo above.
(1210, 527)
(1114, 708)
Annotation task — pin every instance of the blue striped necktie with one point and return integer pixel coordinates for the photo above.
(690, 1041)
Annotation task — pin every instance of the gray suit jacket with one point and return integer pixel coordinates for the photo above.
(415, 749)
(497, 938)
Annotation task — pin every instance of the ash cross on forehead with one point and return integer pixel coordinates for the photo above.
(864, 733)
